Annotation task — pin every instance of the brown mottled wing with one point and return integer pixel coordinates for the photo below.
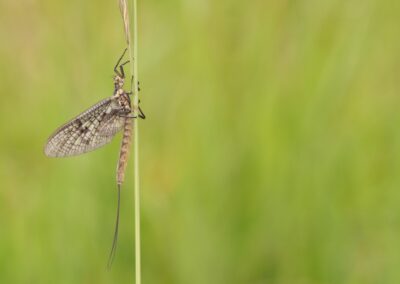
(111, 125)
(90, 130)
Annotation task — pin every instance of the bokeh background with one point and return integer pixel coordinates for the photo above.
(270, 152)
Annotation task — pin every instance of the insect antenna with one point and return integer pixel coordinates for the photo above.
(114, 244)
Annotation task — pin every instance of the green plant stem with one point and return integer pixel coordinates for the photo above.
(133, 56)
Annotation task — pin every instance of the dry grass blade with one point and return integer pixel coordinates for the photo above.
(123, 7)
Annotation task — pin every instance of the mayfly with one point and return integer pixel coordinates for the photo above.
(96, 127)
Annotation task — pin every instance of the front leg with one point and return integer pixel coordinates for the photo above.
(128, 116)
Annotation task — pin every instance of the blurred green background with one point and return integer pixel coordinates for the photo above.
(270, 152)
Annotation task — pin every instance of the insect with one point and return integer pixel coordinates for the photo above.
(96, 127)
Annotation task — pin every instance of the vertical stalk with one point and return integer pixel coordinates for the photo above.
(133, 57)
(133, 54)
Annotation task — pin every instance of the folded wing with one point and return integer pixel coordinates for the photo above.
(88, 131)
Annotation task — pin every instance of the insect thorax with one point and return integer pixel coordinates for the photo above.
(121, 101)
(118, 82)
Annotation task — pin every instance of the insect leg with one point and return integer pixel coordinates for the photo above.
(118, 62)
(131, 85)
(131, 92)
(121, 68)
(128, 116)
(141, 114)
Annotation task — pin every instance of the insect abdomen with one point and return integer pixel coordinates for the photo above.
(124, 153)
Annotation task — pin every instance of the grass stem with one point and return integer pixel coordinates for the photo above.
(133, 57)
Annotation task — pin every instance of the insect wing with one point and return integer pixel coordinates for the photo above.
(111, 125)
(86, 132)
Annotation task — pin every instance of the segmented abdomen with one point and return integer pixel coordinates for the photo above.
(124, 151)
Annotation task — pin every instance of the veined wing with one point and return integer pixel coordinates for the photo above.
(90, 130)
